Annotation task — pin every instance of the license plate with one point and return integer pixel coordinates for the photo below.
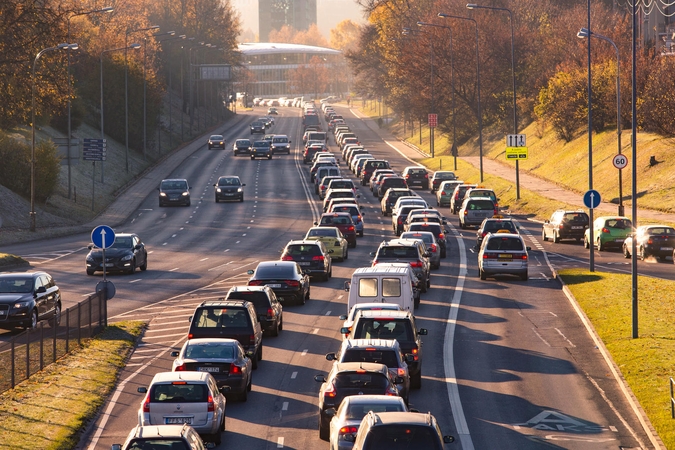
(177, 420)
(208, 369)
(304, 263)
(227, 193)
(666, 248)
(618, 240)
(509, 257)
(109, 265)
(577, 228)
(274, 285)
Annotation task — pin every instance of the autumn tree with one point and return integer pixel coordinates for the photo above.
(345, 36)
(289, 35)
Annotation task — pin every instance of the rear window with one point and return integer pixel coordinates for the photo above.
(426, 226)
(342, 194)
(480, 205)
(398, 252)
(417, 172)
(275, 271)
(183, 393)
(398, 329)
(358, 410)
(661, 231)
(348, 209)
(361, 380)
(218, 317)
(198, 351)
(306, 249)
(427, 238)
(576, 217)
(390, 437)
(493, 226)
(340, 220)
(394, 182)
(505, 243)
(259, 299)
(391, 287)
(386, 357)
(155, 443)
(619, 224)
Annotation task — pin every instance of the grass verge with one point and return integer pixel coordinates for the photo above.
(54, 405)
(8, 260)
(647, 362)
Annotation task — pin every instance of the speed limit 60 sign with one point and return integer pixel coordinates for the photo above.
(620, 161)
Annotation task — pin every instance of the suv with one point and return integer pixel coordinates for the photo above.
(174, 192)
(177, 398)
(391, 182)
(565, 225)
(416, 176)
(495, 225)
(281, 143)
(233, 319)
(312, 256)
(258, 127)
(143, 436)
(476, 209)
(267, 306)
(27, 298)
(384, 351)
(399, 325)
(412, 251)
(400, 430)
(440, 176)
(370, 167)
(503, 253)
(458, 196)
(430, 242)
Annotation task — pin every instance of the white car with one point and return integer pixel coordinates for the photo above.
(503, 253)
(349, 318)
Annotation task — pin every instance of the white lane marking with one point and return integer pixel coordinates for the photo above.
(226, 250)
(244, 234)
(564, 337)
(174, 269)
(284, 406)
(448, 352)
(280, 442)
(135, 281)
(173, 235)
(304, 352)
(328, 313)
(203, 259)
(340, 296)
(164, 243)
(541, 337)
(315, 331)
(237, 242)
(294, 375)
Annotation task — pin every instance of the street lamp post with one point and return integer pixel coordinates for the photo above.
(513, 73)
(126, 90)
(452, 86)
(64, 46)
(585, 33)
(480, 114)
(106, 9)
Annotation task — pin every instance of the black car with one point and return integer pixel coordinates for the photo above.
(565, 225)
(268, 308)
(225, 359)
(439, 177)
(174, 192)
(27, 298)
(391, 195)
(286, 278)
(258, 127)
(312, 256)
(216, 141)
(261, 149)
(391, 183)
(229, 188)
(370, 167)
(281, 144)
(242, 146)
(126, 253)
(416, 176)
(231, 319)
(651, 240)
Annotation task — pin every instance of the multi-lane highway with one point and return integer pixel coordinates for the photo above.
(506, 364)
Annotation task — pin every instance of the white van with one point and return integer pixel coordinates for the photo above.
(382, 284)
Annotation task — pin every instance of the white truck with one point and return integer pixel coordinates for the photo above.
(384, 283)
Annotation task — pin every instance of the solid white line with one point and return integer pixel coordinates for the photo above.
(304, 352)
(280, 442)
(328, 313)
(294, 375)
(284, 406)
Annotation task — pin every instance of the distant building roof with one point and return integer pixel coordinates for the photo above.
(266, 48)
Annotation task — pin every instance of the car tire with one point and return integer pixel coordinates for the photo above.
(144, 266)
(360, 233)
(252, 158)
(275, 331)
(481, 274)
(188, 203)
(416, 380)
(524, 276)
(556, 238)
(586, 244)
(260, 352)
(55, 321)
(543, 235)
(132, 268)
(217, 201)
(346, 254)
(324, 432)
(641, 253)
(235, 154)
(461, 225)
(90, 272)
(243, 396)
(444, 254)
(254, 362)
(626, 253)
(269, 156)
(160, 204)
(33, 321)
(425, 286)
(217, 436)
(601, 247)
(241, 199)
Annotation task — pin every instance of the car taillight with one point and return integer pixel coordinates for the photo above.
(484, 233)
(210, 404)
(443, 193)
(415, 352)
(407, 176)
(146, 404)
(317, 258)
(433, 248)
(524, 257)
(351, 228)
(391, 391)
(374, 262)
(466, 213)
(359, 218)
(605, 230)
(416, 263)
(401, 372)
(234, 369)
(489, 256)
(180, 368)
(349, 430)
(287, 258)
(292, 283)
(255, 283)
(426, 175)
(330, 392)
(441, 236)
(270, 312)
(649, 241)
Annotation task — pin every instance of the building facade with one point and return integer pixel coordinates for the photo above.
(274, 14)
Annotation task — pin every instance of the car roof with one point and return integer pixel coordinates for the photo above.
(21, 274)
(407, 418)
(388, 313)
(503, 235)
(356, 366)
(247, 289)
(158, 431)
(363, 343)
(280, 263)
(168, 377)
(198, 341)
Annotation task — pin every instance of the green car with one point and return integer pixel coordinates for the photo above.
(445, 191)
(609, 232)
(332, 238)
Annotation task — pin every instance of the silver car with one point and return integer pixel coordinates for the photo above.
(193, 398)
(476, 209)
(503, 253)
(431, 244)
(346, 420)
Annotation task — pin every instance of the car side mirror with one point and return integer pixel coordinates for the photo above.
(414, 410)
(528, 248)
(190, 319)
(250, 272)
(372, 254)
(409, 357)
(142, 390)
(399, 380)
(224, 389)
(138, 246)
(116, 447)
(342, 317)
(330, 412)
(243, 184)
(546, 221)
(448, 439)
(345, 330)
(250, 354)
(422, 332)
(331, 251)
(90, 246)
(319, 378)
(347, 287)
(316, 223)
(175, 353)
(330, 356)
(41, 290)
(215, 184)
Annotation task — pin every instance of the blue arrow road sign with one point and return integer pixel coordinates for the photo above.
(592, 199)
(103, 236)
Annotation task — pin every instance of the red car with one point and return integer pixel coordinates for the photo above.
(341, 220)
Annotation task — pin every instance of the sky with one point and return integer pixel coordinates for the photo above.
(329, 14)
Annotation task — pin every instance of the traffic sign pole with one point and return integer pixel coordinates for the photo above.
(592, 200)
(516, 140)
(620, 162)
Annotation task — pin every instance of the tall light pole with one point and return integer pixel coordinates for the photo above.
(480, 114)
(126, 89)
(134, 46)
(513, 73)
(452, 86)
(633, 144)
(106, 9)
(190, 82)
(64, 46)
(585, 33)
(591, 258)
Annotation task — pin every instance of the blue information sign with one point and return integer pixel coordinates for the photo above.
(592, 199)
(103, 236)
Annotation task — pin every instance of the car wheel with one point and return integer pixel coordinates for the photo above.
(269, 156)
(235, 153)
(543, 235)
(626, 253)
(586, 244)
(188, 203)
(241, 199)
(252, 158)
(132, 268)
(56, 318)
(416, 380)
(324, 432)
(275, 331)
(217, 201)
(360, 233)
(600, 246)
(90, 272)
(260, 352)
(461, 225)
(160, 204)
(217, 437)
(524, 276)
(346, 254)
(243, 396)
(33, 321)
(144, 266)
(425, 286)
(481, 274)
(641, 253)
(556, 238)
(281, 323)
(254, 362)
(444, 254)
(250, 383)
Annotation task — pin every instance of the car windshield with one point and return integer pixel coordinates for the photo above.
(183, 393)
(402, 436)
(505, 243)
(210, 351)
(155, 443)
(216, 137)
(261, 144)
(16, 285)
(122, 242)
(341, 184)
(244, 142)
(384, 329)
(284, 271)
(361, 380)
(229, 182)
(216, 317)
(280, 140)
(174, 185)
(661, 231)
(386, 357)
(323, 231)
(348, 209)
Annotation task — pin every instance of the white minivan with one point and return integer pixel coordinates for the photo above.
(383, 283)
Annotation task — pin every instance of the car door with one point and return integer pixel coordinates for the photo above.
(41, 293)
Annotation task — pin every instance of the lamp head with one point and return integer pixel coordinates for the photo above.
(107, 9)
(583, 33)
(471, 6)
(135, 46)
(73, 46)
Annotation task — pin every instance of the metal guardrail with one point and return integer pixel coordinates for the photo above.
(31, 351)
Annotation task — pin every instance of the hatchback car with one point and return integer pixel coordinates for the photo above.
(439, 177)
(174, 192)
(437, 229)
(391, 182)
(356, 213)
(393, 430)
(242, 146)
(126, 253)
(267, 306)
(258, 127)
(565, 225)
(162, 437)
(495, 225)
(476, 209)
(341, 220)
(231, 319)
(261, 149)
(312, 256)
(193, 398)
(391, 196)
(224, 359)
(433, 249)
(352, 378)
(445, 191)
(229, 188)
(609, 232)
(503, 254)
(27, 298)
(651, 240)
(416, 176)
(281, 144)
(286, 278)
(357, 308)
(458, 196)
(339, 194)
(332, 239)
(216, 141)
(412, 251)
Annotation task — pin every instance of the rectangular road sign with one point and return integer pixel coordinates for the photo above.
(94, 145)
(94, 152)
(93, 158)
(516, 152)
(99, 141)
(433, 120)
(515, 140)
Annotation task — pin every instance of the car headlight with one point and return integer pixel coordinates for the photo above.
(90, 259)
(162, 194)
(217, 189)
(20, 305)
(239, 190)
(127, 257)
(185, 194)
(210, 142)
